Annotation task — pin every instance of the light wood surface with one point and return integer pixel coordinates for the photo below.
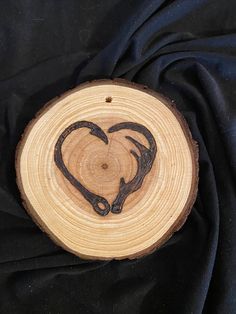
(164, 184)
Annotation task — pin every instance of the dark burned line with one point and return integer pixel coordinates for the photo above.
(144, 160)
(144, 164)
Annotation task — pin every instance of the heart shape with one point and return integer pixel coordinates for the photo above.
(144, 161)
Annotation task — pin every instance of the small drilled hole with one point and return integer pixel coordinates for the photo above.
(109, 99)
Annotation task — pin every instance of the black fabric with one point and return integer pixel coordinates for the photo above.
(186, 49)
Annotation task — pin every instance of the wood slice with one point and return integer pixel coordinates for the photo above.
(109, 170)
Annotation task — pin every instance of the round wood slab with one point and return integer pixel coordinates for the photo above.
(109, 170)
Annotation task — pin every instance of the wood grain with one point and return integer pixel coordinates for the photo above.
(151, 213)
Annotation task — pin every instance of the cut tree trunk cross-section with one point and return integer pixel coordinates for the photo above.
(109, 170)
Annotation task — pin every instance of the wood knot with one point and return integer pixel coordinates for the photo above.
(104, 166)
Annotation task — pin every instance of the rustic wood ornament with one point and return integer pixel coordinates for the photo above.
(109, 170)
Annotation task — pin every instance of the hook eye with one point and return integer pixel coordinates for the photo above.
(116, 209)
(101, 206)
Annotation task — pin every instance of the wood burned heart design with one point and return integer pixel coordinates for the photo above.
(56, 181)
(144, 164)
